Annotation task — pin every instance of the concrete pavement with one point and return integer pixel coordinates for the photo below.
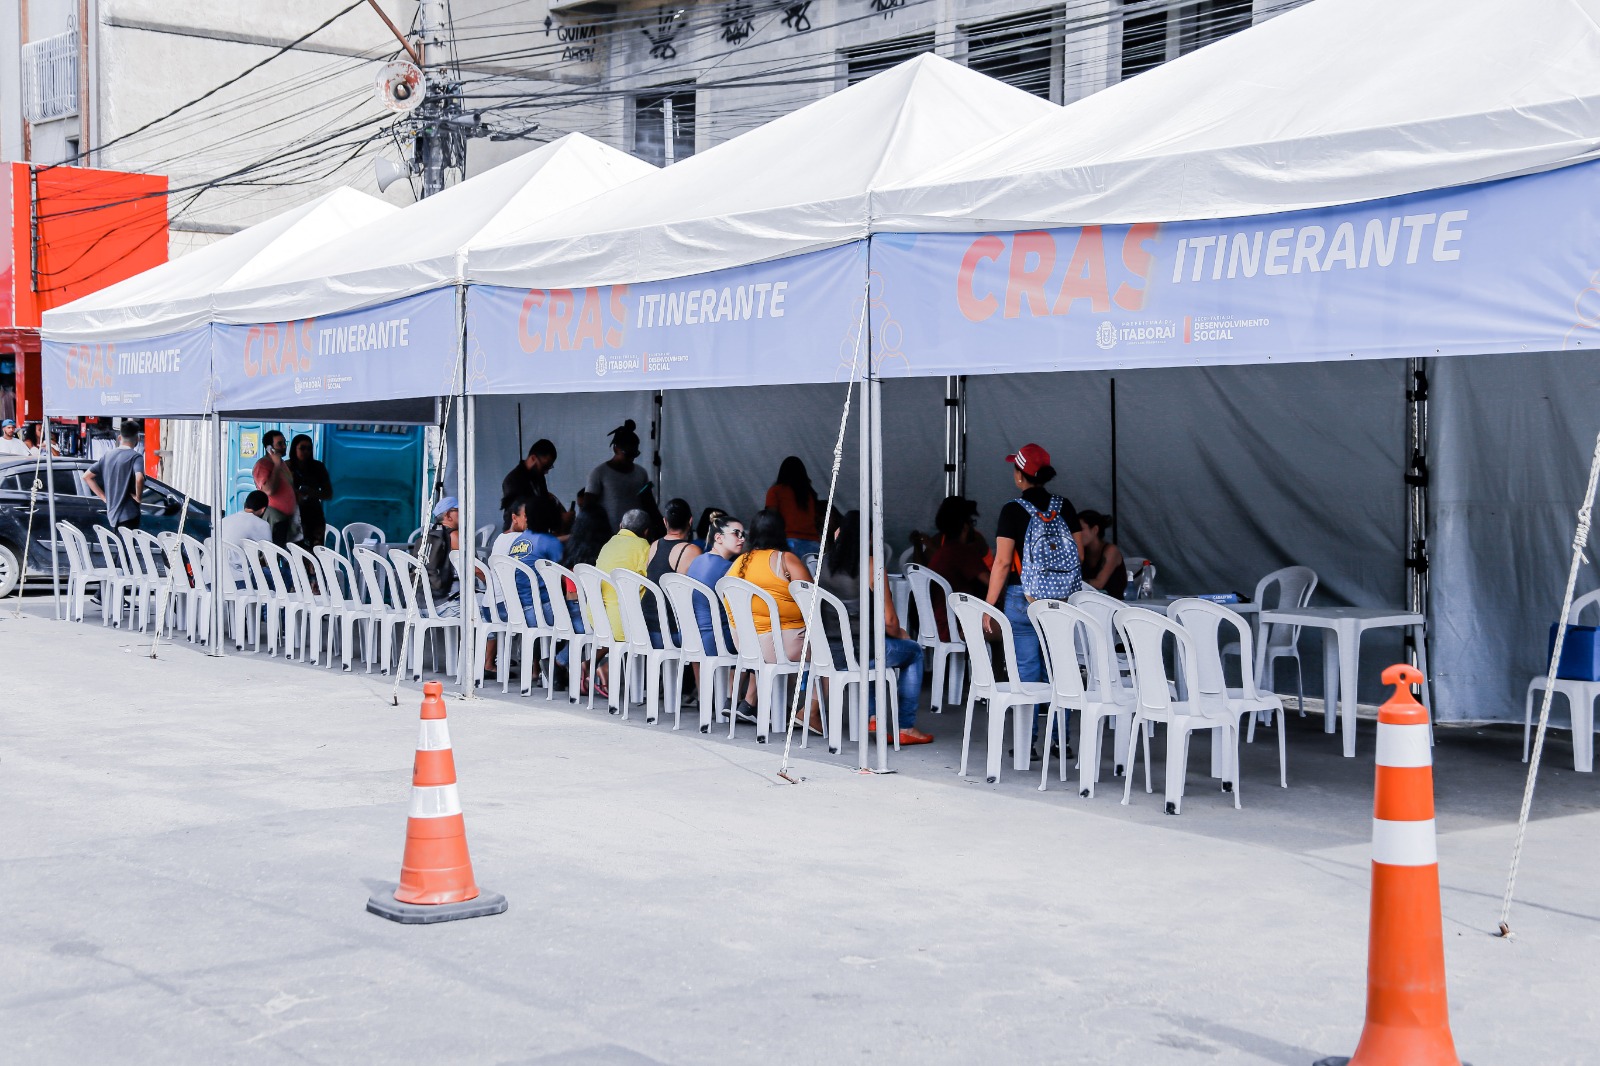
(190, 843)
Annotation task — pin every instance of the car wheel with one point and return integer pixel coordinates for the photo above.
(10, 570)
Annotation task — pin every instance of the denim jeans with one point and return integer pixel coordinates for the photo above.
(804, 548)
(905, 656)
(577, 625)
(1030, 659)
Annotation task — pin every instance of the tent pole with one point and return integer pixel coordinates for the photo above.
(48, 445)
(961, 436)
(951, 403)
(655, 444)
(879, 568)
(219, 441)
(863, 562)
(466, 529)
(1112, 532)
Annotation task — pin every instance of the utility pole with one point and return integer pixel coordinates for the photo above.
(440, 125)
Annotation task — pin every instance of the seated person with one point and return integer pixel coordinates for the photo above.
(674, 553)
(957, 552)
(527, 539)
(1103, 565)
(841, 575)
(769, 565)
(444, 537)
(626, 550)
(726, 535)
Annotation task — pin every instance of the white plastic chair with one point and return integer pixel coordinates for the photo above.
(738, 596)
(904, 559)
(717, 662)
(361, 535)
(146, 583)
(998, 696)
(484, 592)
(1580, 700)
(842, 674)
(422, 619)
(196, 587)
(345, 606)
(1205, 619)
(949, 656)
(580, 646)
(593, 581)
(378, 589)
(291, 601)
(1114, 669)
(484, 538)
(536, 639)
(243, 605)
(319, 608)
(270, 593)
(119, 582)
(82, 573)
(332, 539)
(1143, 634)
(662, 666)
(1293, 585)
(1066, 635)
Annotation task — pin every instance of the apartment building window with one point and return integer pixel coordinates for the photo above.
(50, 77)
(663, 124)
(1154, 31)
(862, 63)
(1023, 50)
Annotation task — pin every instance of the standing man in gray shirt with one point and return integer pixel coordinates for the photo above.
(118, 478)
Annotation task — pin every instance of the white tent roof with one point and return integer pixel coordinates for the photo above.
(422, 247)
(177, 295)
(797, 184)
(1336, 102)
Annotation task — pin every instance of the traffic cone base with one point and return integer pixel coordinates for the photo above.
(384, 905)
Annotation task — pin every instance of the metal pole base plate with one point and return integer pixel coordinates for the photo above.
(384, 905)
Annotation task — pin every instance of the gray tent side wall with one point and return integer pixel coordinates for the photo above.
(1224, 474)
(1512, 437)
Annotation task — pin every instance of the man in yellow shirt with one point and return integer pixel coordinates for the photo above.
(628, 549)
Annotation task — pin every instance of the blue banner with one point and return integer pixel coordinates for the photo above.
(1501, 267)
(406, 349)
(795, 320)
(166, 375)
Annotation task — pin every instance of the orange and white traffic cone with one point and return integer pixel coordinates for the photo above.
(1408, 1019)
(436, 882)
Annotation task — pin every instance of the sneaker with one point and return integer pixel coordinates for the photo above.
(746, 712)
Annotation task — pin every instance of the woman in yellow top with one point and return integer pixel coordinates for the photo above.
(769, 565)
(627, 550)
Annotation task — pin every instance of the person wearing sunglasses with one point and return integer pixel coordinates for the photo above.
(725, 541)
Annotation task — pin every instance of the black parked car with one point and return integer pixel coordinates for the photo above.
(161, 504)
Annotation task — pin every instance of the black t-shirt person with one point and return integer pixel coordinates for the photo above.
(1013, 521)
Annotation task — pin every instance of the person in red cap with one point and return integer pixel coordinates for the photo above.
(1037, 556)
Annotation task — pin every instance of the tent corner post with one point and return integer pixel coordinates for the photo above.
(48, 445)
(219, 440)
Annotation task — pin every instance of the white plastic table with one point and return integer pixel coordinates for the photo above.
(1341, 652)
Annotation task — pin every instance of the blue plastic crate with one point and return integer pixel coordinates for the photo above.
(1580, 653)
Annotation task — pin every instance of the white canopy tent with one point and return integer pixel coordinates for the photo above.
(1344, 102)
(1332, 103)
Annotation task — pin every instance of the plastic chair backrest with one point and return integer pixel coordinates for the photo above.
(739, 596)
(308, 580)
(1205, 620)
(1103, 609)
(338, 578)
(826, 603)
(905, 559)
(485, 536)
(554, 576)
(332, 539)
(970, 613)
(810, 559)
(1144, 633)
(1294, 585)
(172, 551)
(360, 535)
(682, 591)
(76, 547)
(922, 580)
(132, 554)
(411, 581)
(116, 555)
(593, 581)
(377, 577)
(631, 590)
(253, 550)
(286, 573)
(1582, 603)
(1057, 623)
(507, 572)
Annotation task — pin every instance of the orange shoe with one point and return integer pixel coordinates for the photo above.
(914, 736)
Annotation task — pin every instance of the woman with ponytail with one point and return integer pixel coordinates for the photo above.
(620, 485)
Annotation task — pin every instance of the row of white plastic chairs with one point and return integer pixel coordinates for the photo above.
(1135, 690)
(143, 579)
